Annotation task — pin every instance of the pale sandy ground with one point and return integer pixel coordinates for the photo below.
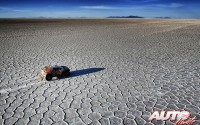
(150, 64)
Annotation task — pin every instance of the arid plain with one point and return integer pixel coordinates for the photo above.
(121, 70)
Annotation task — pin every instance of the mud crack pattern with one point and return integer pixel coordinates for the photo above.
(149, 65)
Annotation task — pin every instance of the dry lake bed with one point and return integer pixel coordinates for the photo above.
(121, 70)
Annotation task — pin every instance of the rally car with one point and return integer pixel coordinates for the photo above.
(48, 72)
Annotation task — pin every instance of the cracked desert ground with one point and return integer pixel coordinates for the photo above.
(121, 70)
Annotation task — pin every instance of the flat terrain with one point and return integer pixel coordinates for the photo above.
(122, 70)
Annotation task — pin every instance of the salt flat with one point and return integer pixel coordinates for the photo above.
(122, 70)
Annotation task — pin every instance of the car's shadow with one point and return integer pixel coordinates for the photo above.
(82, 72)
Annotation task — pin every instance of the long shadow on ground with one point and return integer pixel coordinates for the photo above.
(84, 71)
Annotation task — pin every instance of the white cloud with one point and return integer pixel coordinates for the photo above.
(146, 1)
(98, 7)
(176, 5)
(4, 8)
(171, 5)
(11, 9)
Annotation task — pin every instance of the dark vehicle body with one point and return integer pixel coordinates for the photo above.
(48, 72)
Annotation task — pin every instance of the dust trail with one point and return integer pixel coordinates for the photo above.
(7, 90)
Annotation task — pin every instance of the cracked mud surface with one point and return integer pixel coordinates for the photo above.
(149, 65)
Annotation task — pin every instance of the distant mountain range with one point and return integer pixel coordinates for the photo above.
(163, 17)
(124, 17)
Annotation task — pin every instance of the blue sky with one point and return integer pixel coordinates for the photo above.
(99, 8)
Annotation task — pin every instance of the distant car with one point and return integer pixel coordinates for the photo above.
(48, 72)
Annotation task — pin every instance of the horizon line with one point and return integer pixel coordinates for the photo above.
(108, 17)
